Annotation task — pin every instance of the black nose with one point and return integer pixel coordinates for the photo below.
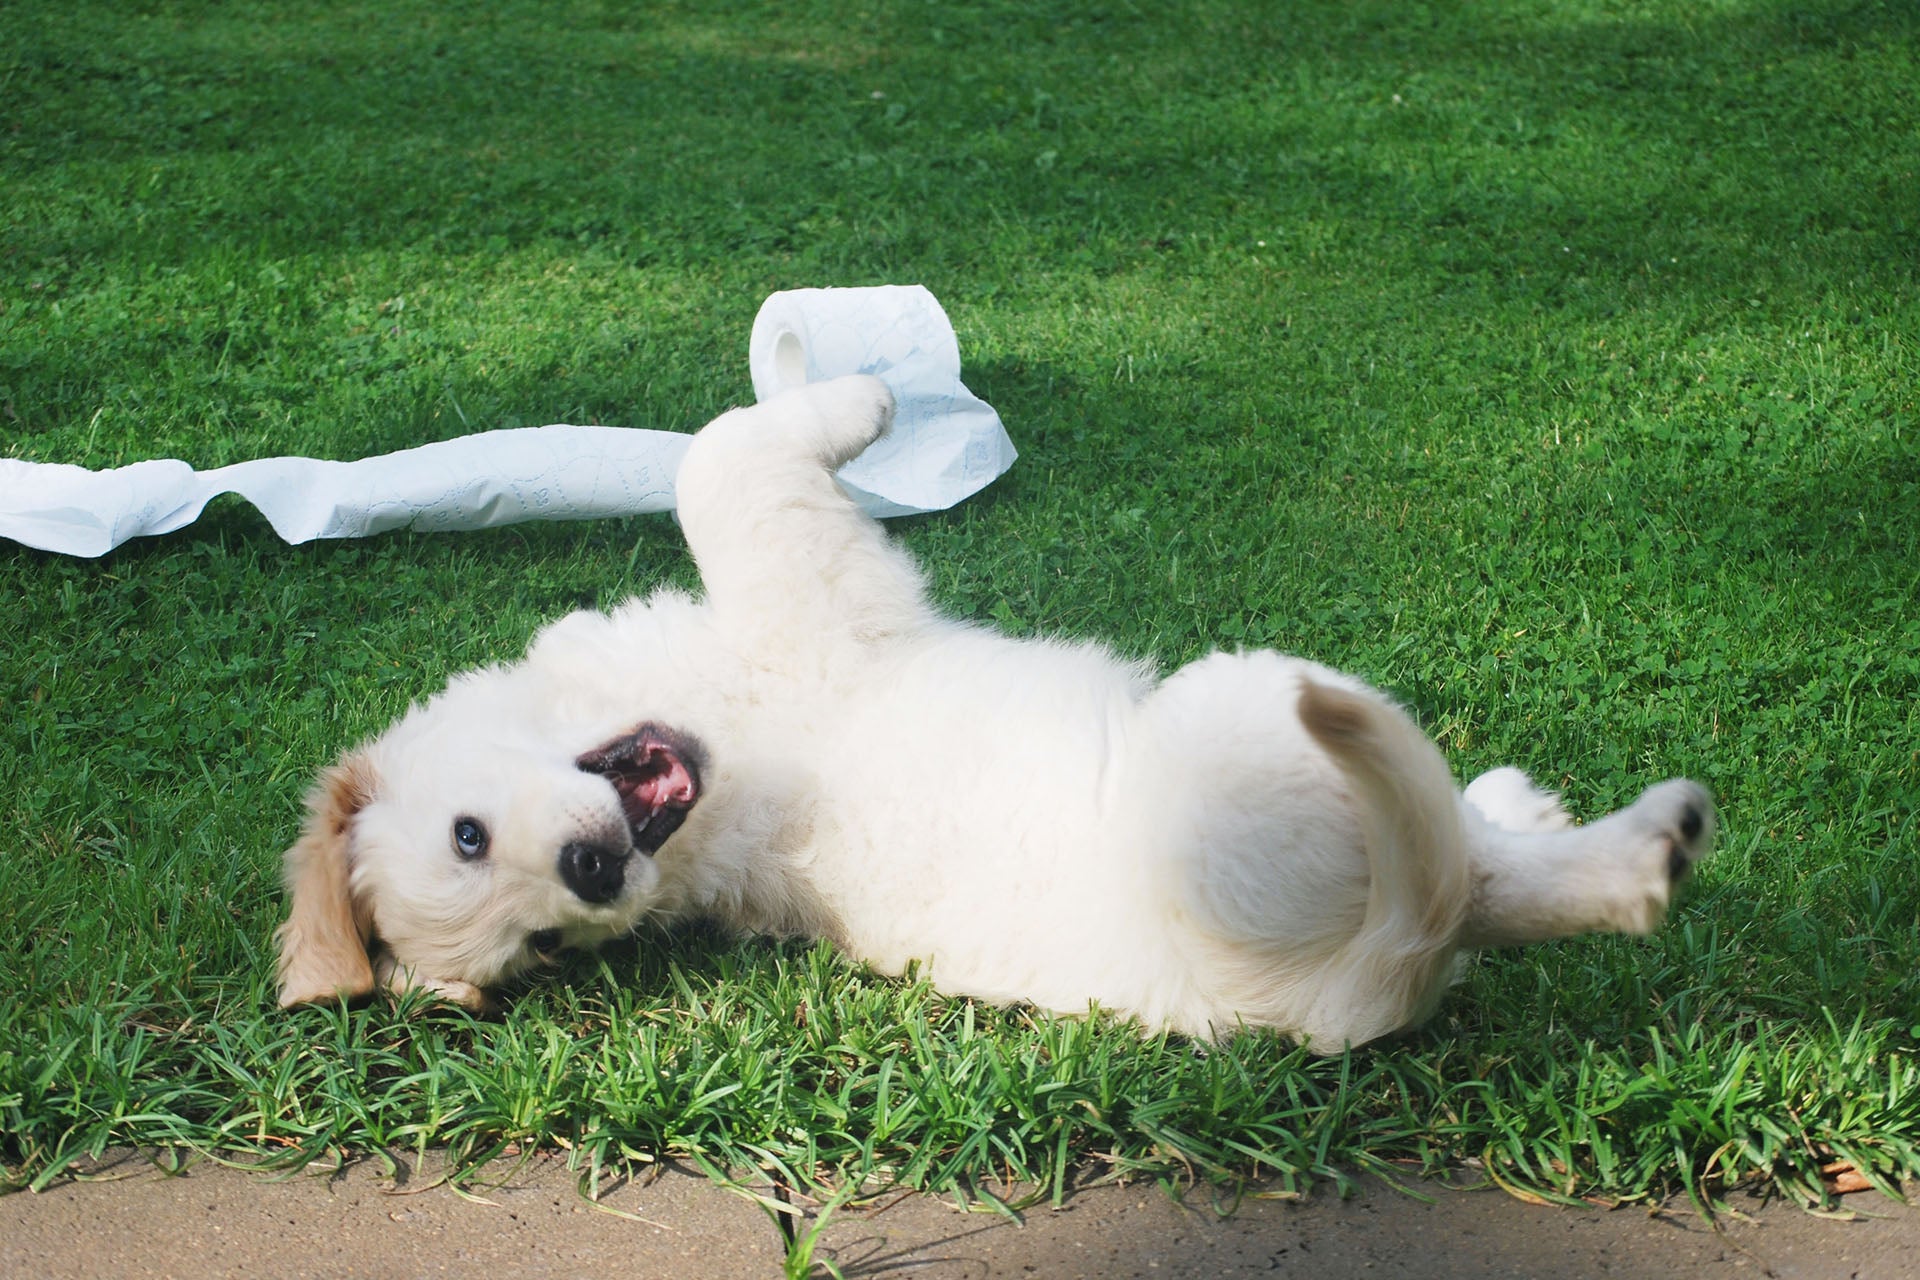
(594, 872)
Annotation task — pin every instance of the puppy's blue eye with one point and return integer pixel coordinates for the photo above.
(469, 839)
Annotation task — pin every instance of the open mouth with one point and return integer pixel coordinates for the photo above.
(656, 773)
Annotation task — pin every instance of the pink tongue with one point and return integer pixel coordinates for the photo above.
(655, 774)
(670, 785)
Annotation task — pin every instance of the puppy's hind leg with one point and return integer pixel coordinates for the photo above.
(781, 548)
(1616, 875)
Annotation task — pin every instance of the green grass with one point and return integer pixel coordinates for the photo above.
(1552, 365)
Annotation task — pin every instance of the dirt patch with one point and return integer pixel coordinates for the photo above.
(133, 1221)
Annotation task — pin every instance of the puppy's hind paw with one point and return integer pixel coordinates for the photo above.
(1680, 812)
(1673, 825)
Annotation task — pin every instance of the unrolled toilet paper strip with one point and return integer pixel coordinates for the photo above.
(470, 482)
(945, 446)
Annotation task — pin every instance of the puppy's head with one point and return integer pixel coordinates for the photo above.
(472, 841)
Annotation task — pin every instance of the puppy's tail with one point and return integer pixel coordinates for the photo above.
(1420, 882)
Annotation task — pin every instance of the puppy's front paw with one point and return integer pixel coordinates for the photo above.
(852, 412)
(397, 979)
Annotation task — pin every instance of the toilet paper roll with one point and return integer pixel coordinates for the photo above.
(946, 445)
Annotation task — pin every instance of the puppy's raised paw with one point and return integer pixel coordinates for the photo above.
(851, 413)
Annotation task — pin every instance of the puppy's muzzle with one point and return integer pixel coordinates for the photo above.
(593, 872)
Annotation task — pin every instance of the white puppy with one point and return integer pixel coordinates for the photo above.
(1255, 840)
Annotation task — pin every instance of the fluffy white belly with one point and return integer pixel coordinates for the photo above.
(977, 820)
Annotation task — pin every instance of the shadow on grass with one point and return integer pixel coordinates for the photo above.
(1713, 155)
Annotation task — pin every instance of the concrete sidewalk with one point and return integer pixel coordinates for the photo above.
(135, 1222)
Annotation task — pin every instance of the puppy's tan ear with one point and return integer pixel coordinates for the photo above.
(323, 944)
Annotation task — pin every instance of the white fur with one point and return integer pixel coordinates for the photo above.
(1255, 840)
